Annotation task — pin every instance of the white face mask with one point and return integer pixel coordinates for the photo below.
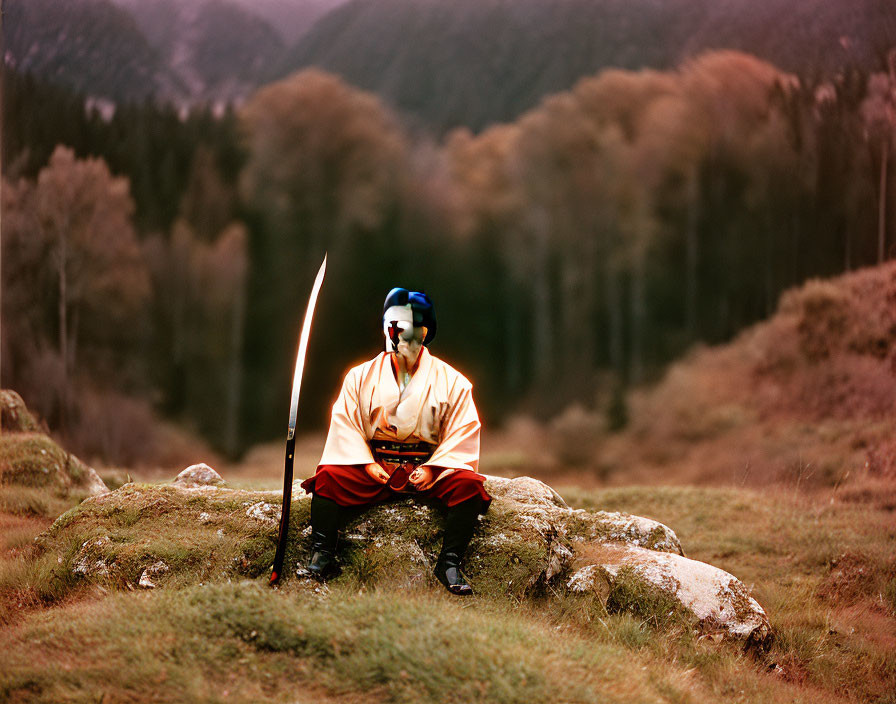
(401, 335)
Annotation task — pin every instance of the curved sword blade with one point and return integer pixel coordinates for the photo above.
(291, 433)
(303, 348)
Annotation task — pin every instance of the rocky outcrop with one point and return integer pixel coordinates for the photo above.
(29, 458)
(14, 416)
(529, 544)
(151, 573)
(35, 460)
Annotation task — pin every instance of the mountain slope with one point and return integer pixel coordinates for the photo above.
(467, 62)
(162, 49)
(474, 62)
(218, 49)
(92, 46)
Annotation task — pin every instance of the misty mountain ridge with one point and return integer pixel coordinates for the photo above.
(220, 51)
(473, 62)
(465, 62)
(92, 46)
(212, 51)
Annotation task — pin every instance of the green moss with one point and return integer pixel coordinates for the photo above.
(144, 524)
(631, 593)
(513, 572)
(396, 543)
(257, 556)
(506, 559)
(32, 459)
(37, 477)
(384, 564)
(585, 526)
(76, 469)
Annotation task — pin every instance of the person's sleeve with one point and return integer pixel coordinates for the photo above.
(459, 446)
(346, 441)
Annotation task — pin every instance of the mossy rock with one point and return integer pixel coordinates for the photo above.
(529, 544)
(33, 459)
(14, 416)
(200, 534)
(37, 476)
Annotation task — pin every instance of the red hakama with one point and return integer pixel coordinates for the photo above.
(350, 485)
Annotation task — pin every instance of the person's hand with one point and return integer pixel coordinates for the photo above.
(421, 478)
(377, 473)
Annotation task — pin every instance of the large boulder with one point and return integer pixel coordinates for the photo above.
(529, 544)
(631, 577)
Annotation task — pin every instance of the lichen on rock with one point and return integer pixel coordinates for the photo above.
(263, 511)
(153, 572)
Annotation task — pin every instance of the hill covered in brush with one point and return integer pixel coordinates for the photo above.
(808, 395)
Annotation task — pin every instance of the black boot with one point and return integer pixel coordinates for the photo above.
(325, 520)
(459, 526)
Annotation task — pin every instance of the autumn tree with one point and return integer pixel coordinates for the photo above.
(323, 157)
(70, 248)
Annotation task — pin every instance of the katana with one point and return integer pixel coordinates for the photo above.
(291, 431)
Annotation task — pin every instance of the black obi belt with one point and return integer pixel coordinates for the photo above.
(400, 459)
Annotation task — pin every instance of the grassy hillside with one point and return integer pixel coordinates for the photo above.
(823, 570)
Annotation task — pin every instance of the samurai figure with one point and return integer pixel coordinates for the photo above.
(404, 424)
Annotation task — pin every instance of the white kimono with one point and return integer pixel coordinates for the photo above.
(436, 407)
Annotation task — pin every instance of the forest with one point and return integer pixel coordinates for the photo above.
(156, 262)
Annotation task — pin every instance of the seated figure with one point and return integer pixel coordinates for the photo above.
(404, 424)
